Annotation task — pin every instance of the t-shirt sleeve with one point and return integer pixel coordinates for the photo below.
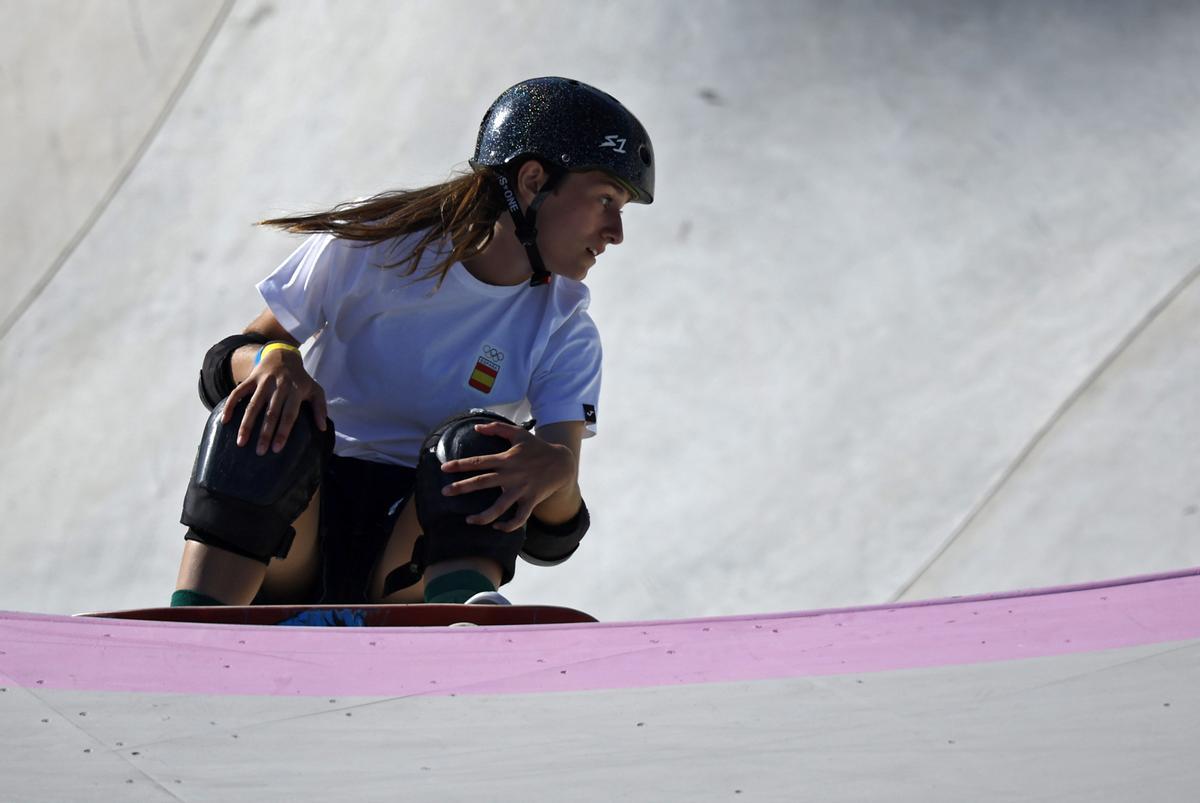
(566, 383)
(298, 290)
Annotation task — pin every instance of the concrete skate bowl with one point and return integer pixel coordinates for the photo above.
(913, 315)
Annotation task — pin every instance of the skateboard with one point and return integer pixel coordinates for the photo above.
(414, 615)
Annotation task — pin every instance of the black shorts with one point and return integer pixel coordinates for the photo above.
(360, 502)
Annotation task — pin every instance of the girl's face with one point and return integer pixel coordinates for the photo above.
(580, 220)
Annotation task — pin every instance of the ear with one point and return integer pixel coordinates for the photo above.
(530, 179)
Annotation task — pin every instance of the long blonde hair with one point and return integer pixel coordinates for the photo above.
(462, 210)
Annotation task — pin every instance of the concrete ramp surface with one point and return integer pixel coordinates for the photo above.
(1081, 692)
(914, 314)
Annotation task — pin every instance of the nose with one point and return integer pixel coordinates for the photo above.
(614, 232)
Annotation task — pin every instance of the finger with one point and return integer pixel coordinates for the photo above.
(291, 411)
(250, 415)
(270, 421)
(522, 514)
(471, 484)
(506, 431)
(481, 462)
(232, 400)
(319, 408)
(494, 512)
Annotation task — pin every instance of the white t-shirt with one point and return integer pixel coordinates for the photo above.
(396, 356)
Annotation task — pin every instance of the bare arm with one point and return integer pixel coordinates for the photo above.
(563, 504)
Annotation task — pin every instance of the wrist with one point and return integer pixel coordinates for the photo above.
(274, 345)
(563, 502)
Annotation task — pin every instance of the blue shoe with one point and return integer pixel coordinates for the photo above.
(327, 617)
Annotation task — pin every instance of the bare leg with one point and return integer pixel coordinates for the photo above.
(399, 551)
(396, 553)
(235, 580)
(217, 573)
(289, 578)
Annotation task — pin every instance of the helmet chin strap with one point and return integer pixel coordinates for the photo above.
(526, 224)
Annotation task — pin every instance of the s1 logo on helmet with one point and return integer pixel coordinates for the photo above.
(611, 141)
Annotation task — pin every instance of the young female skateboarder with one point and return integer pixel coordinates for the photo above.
(431, 432)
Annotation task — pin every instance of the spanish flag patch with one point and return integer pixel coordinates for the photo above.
(483, 377)
(487, 368)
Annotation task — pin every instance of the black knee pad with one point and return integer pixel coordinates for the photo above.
(245, 502)
(443, 518)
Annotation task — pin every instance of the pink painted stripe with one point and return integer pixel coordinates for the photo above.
(57, 652)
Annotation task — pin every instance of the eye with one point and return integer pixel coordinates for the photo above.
(610, 202)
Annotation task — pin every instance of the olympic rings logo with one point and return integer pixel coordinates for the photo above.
(493, 353)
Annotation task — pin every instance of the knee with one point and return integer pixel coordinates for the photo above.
(245, 502)
(447, 535)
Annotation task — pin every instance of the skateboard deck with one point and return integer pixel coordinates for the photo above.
(414, 615)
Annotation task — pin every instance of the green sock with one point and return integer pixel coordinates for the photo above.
(185, 599)
(457, 586)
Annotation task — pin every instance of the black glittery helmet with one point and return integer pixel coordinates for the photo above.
(568, 126)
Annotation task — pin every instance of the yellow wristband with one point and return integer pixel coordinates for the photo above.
(262, 352)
